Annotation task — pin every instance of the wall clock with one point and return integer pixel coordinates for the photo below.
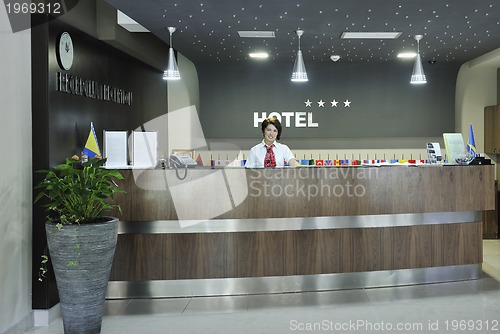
(65, 51)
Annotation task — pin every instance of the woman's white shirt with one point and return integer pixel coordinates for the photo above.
(257, 155)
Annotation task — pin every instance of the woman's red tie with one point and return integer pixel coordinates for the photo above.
(270, 159)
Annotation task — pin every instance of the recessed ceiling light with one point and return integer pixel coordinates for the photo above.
(407, 55)
(258, 55)
(370, 35)
(256, 34)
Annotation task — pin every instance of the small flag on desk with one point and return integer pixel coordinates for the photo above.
(471, 145)
(199, 161)
(319, 162)
(91, 149)
(218, 162)
(328, 162)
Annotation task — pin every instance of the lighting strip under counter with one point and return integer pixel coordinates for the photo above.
(289, 284)
(295, 224)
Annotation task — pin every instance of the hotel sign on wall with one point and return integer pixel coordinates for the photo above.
(299, 119)
(72, 84)
(75, 85)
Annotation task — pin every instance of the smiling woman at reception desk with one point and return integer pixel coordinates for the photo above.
(270, 153)
(239, 231)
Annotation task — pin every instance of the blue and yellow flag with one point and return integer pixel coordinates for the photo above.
(91, 149)
(471, 144)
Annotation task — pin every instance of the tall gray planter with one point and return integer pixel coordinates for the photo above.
(82, 256)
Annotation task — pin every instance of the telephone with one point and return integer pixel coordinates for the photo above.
(182, 160)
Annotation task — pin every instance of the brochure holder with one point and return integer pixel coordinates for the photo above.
(115, 149)
(144, 149)
(455, 147)
(434, 153)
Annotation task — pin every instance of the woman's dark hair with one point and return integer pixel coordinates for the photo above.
(274, 121)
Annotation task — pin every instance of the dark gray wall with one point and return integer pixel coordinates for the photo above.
(69, 115)
(384, 103)
(61, 121)
(498, 86)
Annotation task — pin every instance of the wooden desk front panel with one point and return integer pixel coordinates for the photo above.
(255, 254)
(385, 190)
(388, 190)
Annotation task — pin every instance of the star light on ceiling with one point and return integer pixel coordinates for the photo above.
(460, 30)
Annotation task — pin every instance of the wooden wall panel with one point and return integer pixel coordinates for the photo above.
(304, 252)
(289, 253)
(437, 257)
(392, 190)
(490, 219)
(438, 182)
(168, 256)
(361, 249)
(151, 196)
(387, 248)
(310, 192)
(313, 192)
(317, 252)
(260, 254)
(462, 244)
(200, 255)
(231, 256)
(412, 247)
(139, 257)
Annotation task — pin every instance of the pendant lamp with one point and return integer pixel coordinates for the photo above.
(172, 71)
(299, 69)
(418, 76)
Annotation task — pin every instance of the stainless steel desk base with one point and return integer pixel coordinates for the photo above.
(290, 284)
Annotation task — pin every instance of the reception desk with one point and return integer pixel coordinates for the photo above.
(233, 231)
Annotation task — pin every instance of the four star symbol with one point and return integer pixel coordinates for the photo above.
(321, 103)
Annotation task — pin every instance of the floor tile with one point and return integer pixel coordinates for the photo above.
(428, 308)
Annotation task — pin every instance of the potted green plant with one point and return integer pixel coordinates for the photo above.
(80, 240)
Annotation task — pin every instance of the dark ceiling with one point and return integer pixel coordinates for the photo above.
(207, 30)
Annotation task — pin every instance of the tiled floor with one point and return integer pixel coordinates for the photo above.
(459, 307)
